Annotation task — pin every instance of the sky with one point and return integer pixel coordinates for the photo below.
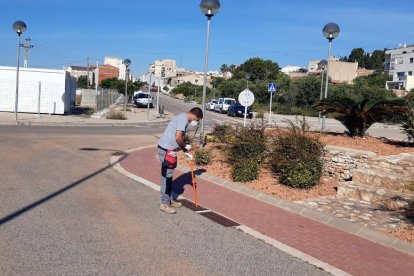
(287, 32)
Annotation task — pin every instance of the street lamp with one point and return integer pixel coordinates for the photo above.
(330, 31)
(209, 8)
(321, 65)
(127, 63)
(19, 27)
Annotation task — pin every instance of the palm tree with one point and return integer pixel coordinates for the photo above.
(358, 115)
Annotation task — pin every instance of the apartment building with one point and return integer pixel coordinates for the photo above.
(399, 63)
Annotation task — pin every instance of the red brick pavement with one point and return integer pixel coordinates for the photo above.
(345, 251)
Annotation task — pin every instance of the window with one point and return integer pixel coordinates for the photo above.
(400, 74)
(410, 73)
(411, 60)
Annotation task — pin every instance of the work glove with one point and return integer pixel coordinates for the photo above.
(188, 148)
(189, 156)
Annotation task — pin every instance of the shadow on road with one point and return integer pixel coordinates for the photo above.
(64, 189)
(184, 179)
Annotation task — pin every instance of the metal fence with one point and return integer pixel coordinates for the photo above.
(90, 101)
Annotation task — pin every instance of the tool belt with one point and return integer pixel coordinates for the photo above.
(170, 159)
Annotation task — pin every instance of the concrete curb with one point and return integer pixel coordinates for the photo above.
(341, 224)
(86, 124)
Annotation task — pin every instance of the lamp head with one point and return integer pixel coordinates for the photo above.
(331, 31)
(210, 7)
(127, 62)
(19, 27)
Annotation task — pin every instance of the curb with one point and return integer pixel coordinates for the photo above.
(114, 162)
(80, 124)
(341, 224)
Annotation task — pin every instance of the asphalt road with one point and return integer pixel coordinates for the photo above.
(176, 106)
(64, 211)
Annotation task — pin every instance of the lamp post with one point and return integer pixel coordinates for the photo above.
(127, 63)
(19, 27)
(209, 8)
(321, 65)
(330, 31)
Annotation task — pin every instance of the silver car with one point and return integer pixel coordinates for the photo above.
(210, 105)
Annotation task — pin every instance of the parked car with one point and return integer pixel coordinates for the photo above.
(142, 99)
(237, 110)
(210, 105)
(223, 104)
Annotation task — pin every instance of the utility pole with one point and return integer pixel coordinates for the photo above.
(87, 73)
(26, 50)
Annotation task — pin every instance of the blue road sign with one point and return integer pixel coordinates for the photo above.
(271, 87)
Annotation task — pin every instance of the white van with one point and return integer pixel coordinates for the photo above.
(223, 104)
(142, 99)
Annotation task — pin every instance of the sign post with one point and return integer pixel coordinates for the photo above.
(246, 98)
(271, 88)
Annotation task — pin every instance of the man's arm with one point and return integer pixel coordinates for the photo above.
(179, 137)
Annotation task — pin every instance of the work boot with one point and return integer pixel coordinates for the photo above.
(175, 204)
(166, 208)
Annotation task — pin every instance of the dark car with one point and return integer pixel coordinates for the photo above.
(237, 110)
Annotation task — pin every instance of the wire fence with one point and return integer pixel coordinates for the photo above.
(90, 101)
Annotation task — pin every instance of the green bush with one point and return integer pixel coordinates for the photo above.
(249, 143)
(245, 170)
(408, 124)
(222, 131)
(296, 158)
(202, 156)
(116, 115)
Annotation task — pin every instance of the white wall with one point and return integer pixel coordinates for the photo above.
(53, 91)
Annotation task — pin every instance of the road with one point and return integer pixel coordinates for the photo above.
(176, 106)
(65, 211)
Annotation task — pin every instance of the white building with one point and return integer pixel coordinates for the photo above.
(40, 90)
(291, 69)
(399, 63)
(165, 68)
(118, 63)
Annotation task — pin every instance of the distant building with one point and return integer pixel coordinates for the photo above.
(291, 69)
(193, 78)
(339, 71)
(78, 71)
(118, 63)
(107, 72)
(362, 72)
(399, 63)
(165, 68)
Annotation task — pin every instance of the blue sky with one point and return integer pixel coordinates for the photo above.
(287, 32)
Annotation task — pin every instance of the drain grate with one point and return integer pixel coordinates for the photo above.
(190, 205)
(219, 219)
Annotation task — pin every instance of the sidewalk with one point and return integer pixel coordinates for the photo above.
(137, 116)
(330, 240)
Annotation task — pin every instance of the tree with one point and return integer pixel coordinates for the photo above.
(357, 55)
(377, 60)
(258, 69)
(360, 107)
(374, 80)
(82, 82)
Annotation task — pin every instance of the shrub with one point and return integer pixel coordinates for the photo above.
(245, 170)
(249, 143)
(296, 158)
(116, 115)
(222, 131)
(408, 124)
(260, 114)
(202, 157)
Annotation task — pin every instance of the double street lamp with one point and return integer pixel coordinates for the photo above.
(209, 8)
(19, 27)
(127, 63)
(330, 31)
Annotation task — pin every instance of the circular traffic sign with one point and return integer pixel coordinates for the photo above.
(246, 97)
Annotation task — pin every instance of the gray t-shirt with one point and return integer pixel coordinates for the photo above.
(179, 123)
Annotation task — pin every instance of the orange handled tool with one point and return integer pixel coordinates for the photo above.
(193, 182)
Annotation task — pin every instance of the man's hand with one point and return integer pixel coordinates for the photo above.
(188, 148)
(189, 156)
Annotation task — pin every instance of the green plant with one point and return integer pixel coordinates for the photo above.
(202, 156)
(408, 123)
(116, 115)
(260, 114)
(296, 157)
(245, 170)
(357, 115)
(249, 143)
(222, 131)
